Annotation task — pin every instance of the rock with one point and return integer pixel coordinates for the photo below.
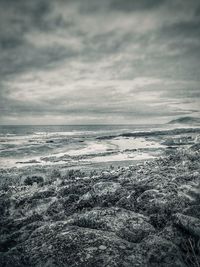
(126, 224)
(30, 180)
(177, 141)
(162, 203)
(102, 189)
(69, 201)
(72, 174)
(13, 258)
(50, 141)
(76, 246)
(159, 220)
(4, 205)
(188, 223)
(140, 186)
(193, 211)
(149, 195)
(73, 188)
(187, 178)
(162, 253)
(30, 206)
(26, 221)
(22, 233)
(62, 207)
(44, 193)
(196, 147)
(102, 194)
(127, 202)
(152, 201)
(55, 210)
(102, 247)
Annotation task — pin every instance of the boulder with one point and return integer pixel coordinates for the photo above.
(188, 223)
(57, 244)
(193, 211)
(45, 193)
(4, 205)
(30, 206)
(73, 188)
(162, 253)
(149, 195)
(127, 202)
(102, 194)
(126, 224)
(151, 201)
(102, 189)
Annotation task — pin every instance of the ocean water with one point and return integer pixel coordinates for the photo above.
(77, 145)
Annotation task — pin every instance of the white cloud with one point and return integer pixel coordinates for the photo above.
(95, 63)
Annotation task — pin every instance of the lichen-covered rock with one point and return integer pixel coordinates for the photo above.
(193, 210)
(73, 188)
(102, 194)
(4, 205)
(188, 223)
(149, 195)
(162, 253)
(127, 202)
(126, 224)
(152, 201)
(163, 203)
(102, 189)
(29, 206)
(55, 210)
(60, 245)
(41, 194)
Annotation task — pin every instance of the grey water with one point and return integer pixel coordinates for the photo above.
(74, 144)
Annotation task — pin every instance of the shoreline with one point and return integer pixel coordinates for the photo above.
(136, 215)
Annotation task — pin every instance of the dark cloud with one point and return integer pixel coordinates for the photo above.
(19, 17)
(71, 57)
(96, 6)
(134, 5)
(184, 29)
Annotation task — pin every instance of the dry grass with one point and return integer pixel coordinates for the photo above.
(191, 252)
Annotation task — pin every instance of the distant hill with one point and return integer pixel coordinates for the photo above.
(185, 120)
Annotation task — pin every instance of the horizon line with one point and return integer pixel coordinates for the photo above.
(81, 124)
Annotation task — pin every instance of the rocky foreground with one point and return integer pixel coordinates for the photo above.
(142, 215)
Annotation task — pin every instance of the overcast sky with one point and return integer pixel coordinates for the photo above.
(99, 61)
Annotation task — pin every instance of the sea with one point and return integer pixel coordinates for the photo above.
(80, 145)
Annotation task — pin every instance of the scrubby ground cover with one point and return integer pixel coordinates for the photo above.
(142, 215)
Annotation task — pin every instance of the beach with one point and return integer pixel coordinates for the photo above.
(117, 198)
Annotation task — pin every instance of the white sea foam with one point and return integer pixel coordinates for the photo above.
(29, 147)
(120, 157)
(134, 143)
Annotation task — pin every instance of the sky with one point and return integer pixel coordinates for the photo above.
(99, 62)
